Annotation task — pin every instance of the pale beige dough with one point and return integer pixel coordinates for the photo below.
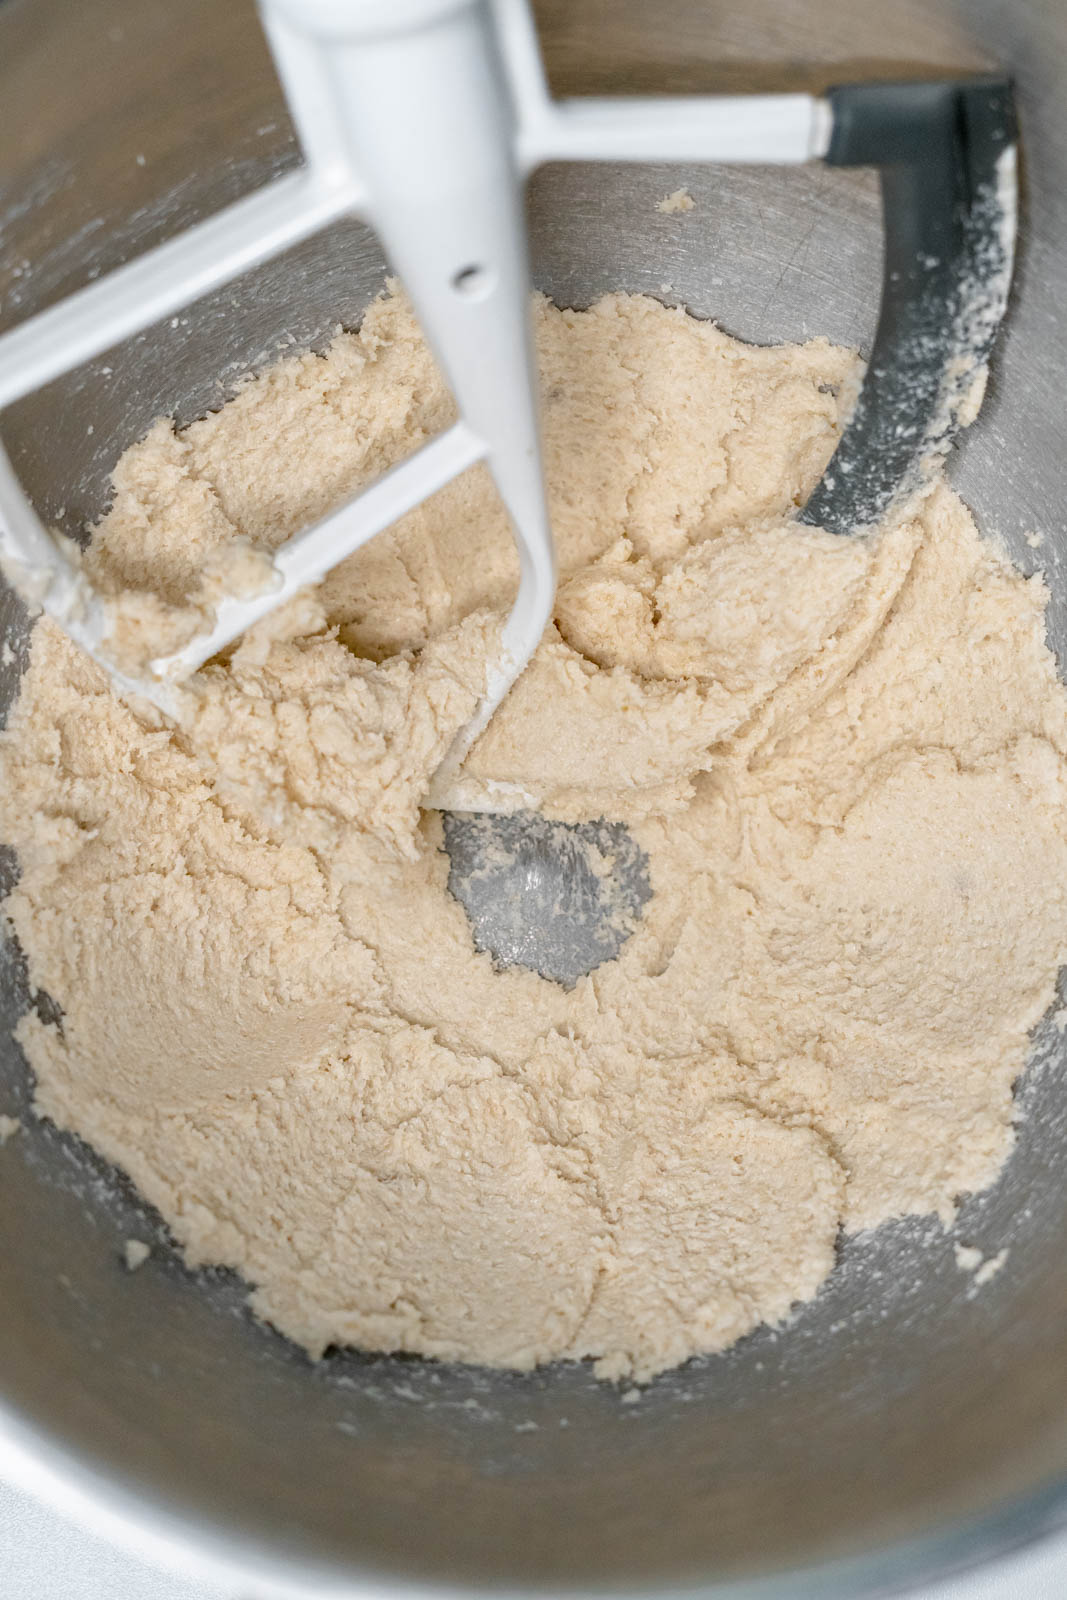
(845, 759)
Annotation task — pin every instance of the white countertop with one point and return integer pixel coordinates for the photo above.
(43, 1556)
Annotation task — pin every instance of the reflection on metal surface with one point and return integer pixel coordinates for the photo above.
(557, 898)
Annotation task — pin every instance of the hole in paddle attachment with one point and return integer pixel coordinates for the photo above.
(473, 282)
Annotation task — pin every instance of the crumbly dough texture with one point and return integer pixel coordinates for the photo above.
(844, 759)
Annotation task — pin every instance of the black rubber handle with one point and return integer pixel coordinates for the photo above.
(946, 156)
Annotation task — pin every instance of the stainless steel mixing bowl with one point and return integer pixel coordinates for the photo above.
(898, 1428)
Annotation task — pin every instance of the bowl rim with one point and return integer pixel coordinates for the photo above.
(150, 1526)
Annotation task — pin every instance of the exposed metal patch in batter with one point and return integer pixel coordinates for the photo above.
(558, 898)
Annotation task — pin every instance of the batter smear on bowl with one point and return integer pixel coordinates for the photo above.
(842, 759)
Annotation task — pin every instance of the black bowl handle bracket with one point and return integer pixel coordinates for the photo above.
(946, 155)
